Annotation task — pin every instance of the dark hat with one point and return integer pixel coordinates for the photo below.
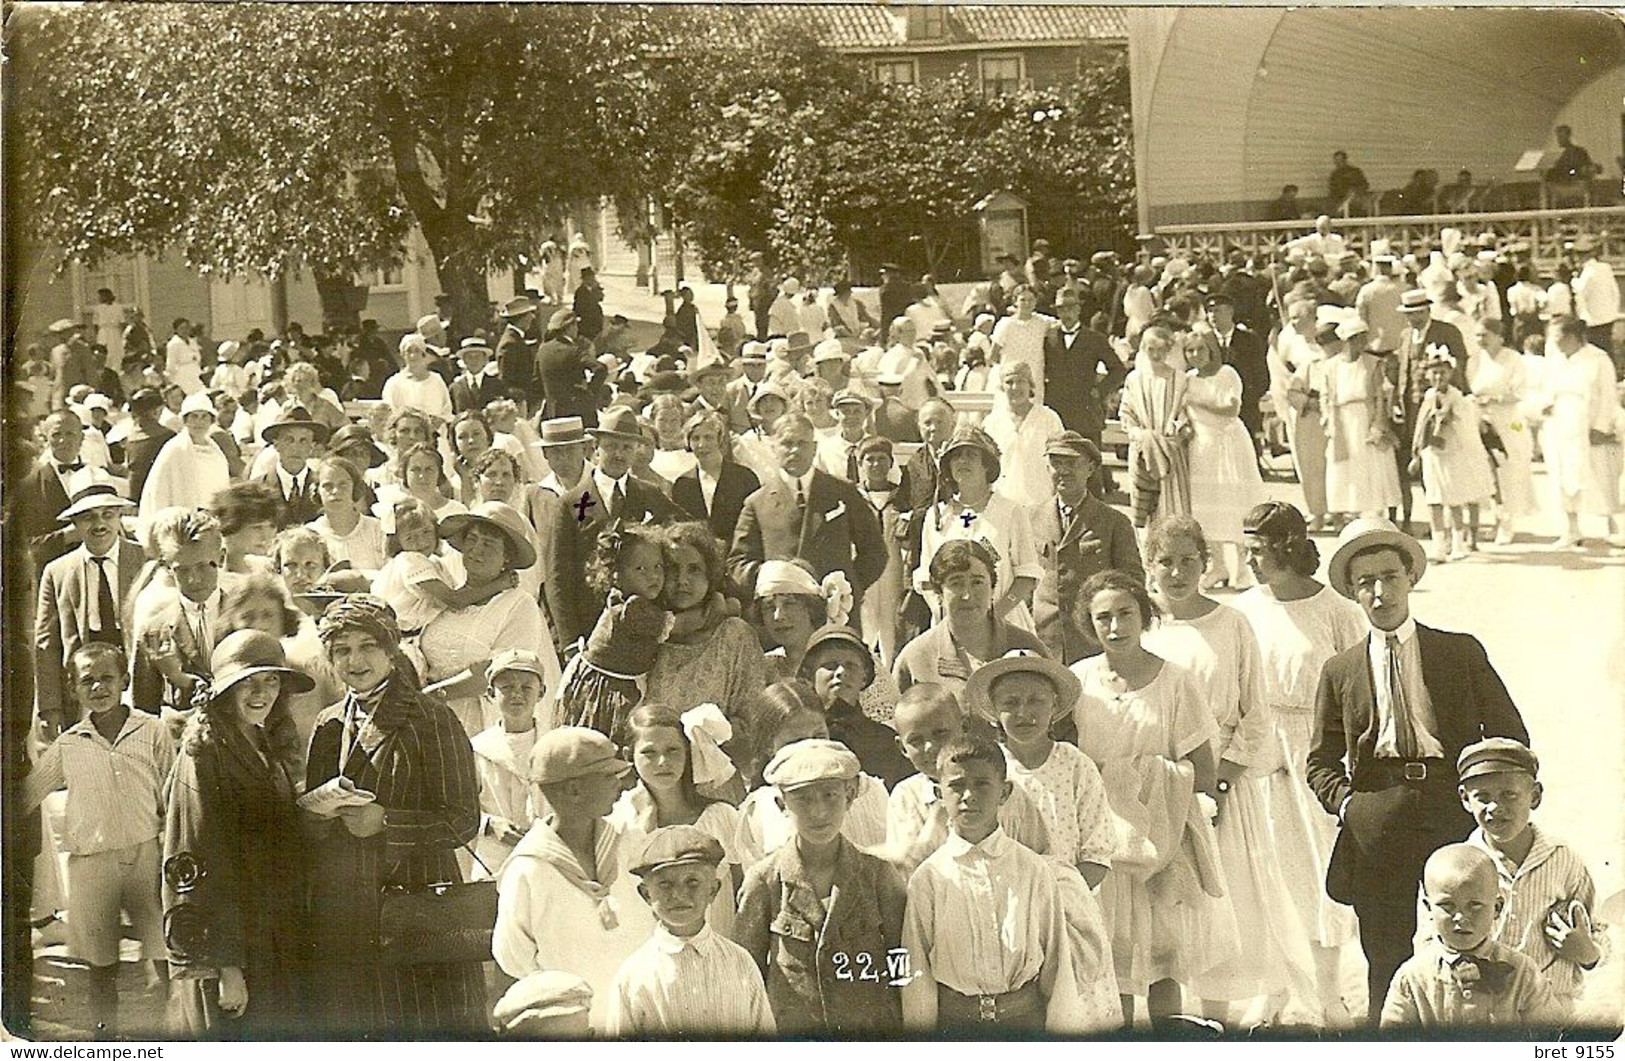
(667, 382)
(1215, 298)
(890, 267)
(1072, 444)
(798, 343)
(969, 436)
(677, 845)
(294, 416)
(709, 368)
(1496, 755)
(145, 398)
(833, 633)
(518, 307)
(338, 583)
(352, 435)
(247, 653)
(618, 422)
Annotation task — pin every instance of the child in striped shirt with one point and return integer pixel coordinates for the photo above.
(687, 979)
(115, 765)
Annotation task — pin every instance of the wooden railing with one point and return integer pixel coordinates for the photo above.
(1545, 234)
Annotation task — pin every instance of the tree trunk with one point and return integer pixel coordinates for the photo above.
(468, 302)
(342, 300)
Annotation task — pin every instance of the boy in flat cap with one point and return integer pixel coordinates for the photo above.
(686, 980)
(822, 919)
(1547, 891)
(516, 681)
(566, 901)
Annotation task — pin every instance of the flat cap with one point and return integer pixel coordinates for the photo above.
(677, 845)
(1496, 755)
(542, 995)
(515, 659)
(803, 762)
(1071, 444)
(570, 752)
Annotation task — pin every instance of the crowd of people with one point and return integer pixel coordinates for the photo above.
(758, 683)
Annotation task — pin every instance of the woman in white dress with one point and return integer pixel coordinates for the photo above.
(975, 511)
(1581, 436)
(190, 468)
(1021, 338)
(1361, 477)
(1300, 624)
(1295, 380)
(1216, 645)
(1225, 483)
(1500, 386)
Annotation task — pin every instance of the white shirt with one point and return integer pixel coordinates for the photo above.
(93, 591)
(115, 790)
(704, 985)
(1416, 693)
(291, 483)
(1596, 294)
(607, 489)
(832, 453)
(210, 618)
(708, 487)
(804, 483)
(1024, 474)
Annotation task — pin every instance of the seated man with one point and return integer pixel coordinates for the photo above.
(1568, 178)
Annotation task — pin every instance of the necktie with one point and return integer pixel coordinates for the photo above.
(852, 463)
(69, 469)
(204, 645)
(1405, 742)
(107, 626)
(801, 501)
(617, 499)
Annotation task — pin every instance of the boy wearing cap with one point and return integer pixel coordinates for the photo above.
(1547, 891)
(516, 681)
(822, 919)
(114, 764)
(686, 979)
(478, 384)
(984, 929)
(1461, 977)
(566, 901)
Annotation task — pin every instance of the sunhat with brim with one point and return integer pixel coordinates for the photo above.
(767, 390)
(198, 402)
(709, 368)
(832, 634)
(974, 438)
(518, 307)
(830, 350)
(499, 516)
(353, 435)
(338, 583)
(979, 689)
(247, 653)
(1362, 534)
(618, 422)
(294, 416)
(59, 327)
(1414, 301)
(91, 488)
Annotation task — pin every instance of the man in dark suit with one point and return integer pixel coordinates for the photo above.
(1076, 535)
(82, 595)
(1392, 715)
(1405, 372)
(1249, 293)
(896, 294)
(920, 489)
(809, 515)
(294, 436)
(516, 353)
(478, 384)
(719, 499)
(1080, 370)
(1243, 350)
(141, 444)
(565, 370)
(43, 492)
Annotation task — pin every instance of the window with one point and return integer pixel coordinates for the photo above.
(383, 279)
(926, 22)
(895, 72)
(1000, 74)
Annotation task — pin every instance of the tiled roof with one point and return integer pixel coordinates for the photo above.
(878, 25)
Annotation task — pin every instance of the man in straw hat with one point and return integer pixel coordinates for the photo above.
(1406, 371)
(82, 594)
(1393, 714)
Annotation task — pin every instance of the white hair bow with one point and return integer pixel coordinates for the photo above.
(707, 729)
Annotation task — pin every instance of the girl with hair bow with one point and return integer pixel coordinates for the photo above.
(684, 778)
(1449, 452)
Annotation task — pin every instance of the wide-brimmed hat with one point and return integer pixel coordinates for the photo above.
(830, 350)
(753, 351)
(294, 416)
(474, 342)
(61, 326)
(667, 382)
(339, 582)
(1362, 534)
(978, 689)
(1414, 301)
(92, 488)
(618, 421)
(709, 368)
(968, 436)
(499, 516)
(560, 320)
(1072, 444)
(844, 635)
(518, 307)
(352, 435)
(563, 431)
(249, 652)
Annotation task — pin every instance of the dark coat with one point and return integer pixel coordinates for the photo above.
(1073, 383)
(826, 974)
(874, 743)
(62, 622)
(412, 753)
(516, 365)
(140, 451)
(1405, 367)
(233, 881)
(563, 373)
(36, 500)
(465, 397)
(1245, 353)
(1389, 829)
(735, 483)
(839, 532)
(1100, 538)
(293, 511)
(897, 421)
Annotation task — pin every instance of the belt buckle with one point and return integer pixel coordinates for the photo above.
(1416, 771)
(989, 1008)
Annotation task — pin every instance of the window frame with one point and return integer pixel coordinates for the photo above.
(1016, 83)
(913, 66)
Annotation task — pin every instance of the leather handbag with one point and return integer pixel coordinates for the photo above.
(438, 924)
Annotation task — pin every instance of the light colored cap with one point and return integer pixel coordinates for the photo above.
(574, 751)
(805, 762)
(515, 659)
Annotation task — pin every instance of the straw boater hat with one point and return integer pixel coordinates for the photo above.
(249, 652)
(91, 488)
(563, 431)
(294, 416)
(62, 326)
(753, 352)
(1414, 301)
(498, 516)
(618, 422)
(978, 690)
(1362, 534)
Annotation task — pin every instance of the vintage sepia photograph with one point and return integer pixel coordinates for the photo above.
(857, 521)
